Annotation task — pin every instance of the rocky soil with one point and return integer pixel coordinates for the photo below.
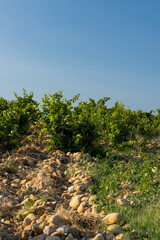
(45, 197)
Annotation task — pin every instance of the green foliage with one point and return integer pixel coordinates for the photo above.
(15, 118)
(88, 126)
(124, 127)
(71, 130)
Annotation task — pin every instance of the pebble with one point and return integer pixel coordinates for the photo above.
(75, 202)
(113, 218)
(122, 201)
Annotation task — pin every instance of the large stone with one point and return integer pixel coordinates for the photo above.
(113, 218)
(38, 227)
(28, 219)
(75, 202)
(57, 220)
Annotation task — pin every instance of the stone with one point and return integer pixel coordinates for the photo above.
(77, 181)
(15, 185)
(38, 227)
(92, 199)
(9, 202)
(7, 222)
(10, 236)
(84, 199)
(94, 209)
(115, 229)
(77, 173)
(66, 196)
(53, 238)
(28, 228)
(5, 181)
(99, 236)
(48, 230)
(28, 219)
(74, 231)
(87, 181)
(113, 218)
(70, 237)
(41, 237)
(81, 208)
(32, 197)
(79, 187)
(77, 156)
(56, 220)
(16, 180)
(25, 235)
(23, 181)
(57, 234)
(110, 236)
(47, 217)
(1, 198)
(88, 212)
(122, 201)
(63, 229)
(155, 170)
(75, 202)
(71, 188)
(137, 192)
(121, 236)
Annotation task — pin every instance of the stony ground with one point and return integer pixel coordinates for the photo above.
(45, 196)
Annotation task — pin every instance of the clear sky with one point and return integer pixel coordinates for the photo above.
(98, 48)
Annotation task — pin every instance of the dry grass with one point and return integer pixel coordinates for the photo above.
(86, 224)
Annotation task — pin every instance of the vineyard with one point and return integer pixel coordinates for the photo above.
(119, 147)
(89, 126)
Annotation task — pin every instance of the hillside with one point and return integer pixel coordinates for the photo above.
(83, 172)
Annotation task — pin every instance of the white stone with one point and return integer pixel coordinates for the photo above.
(63, 229)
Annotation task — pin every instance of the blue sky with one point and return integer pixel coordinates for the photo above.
(98, 48)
